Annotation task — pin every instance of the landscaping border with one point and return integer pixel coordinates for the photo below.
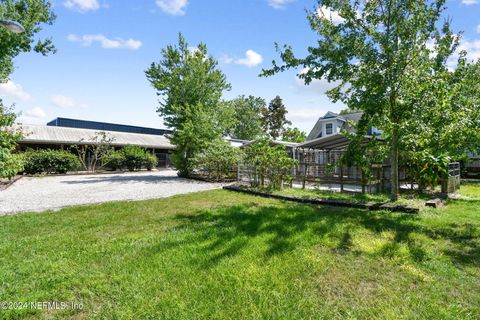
(5, 186)
(337, 203)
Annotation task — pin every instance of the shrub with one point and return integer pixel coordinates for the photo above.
(150, 161)
(130, 157)
(10, 164)
(135, 157)
(217, 160)
(114, 160)
(49, 161)
(269, 161)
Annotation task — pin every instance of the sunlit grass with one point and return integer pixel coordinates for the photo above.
(224, 255)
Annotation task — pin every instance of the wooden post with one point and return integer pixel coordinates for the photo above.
(341, 178)
(304, 178)
(363, 183)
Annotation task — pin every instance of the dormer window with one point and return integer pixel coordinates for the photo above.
(328, 128)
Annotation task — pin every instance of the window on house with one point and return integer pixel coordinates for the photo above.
(328, 128)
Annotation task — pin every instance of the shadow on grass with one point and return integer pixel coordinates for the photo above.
(214, 235)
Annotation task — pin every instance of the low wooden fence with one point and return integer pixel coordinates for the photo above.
(322, 168)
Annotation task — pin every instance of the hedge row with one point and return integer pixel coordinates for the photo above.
(49, 161)
(130, 157)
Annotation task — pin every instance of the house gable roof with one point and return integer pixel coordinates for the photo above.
(317, 128)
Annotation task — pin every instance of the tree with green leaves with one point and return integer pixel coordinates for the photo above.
(190, 87)
(379, 53)
(294, 135)
(10, 163)
(31, 14)
(274, 118)
(246, 113)
(94, 150)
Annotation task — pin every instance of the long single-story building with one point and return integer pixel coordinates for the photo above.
(64, 133)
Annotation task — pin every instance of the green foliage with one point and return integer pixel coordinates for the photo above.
(9, 163)
(247, 113)
(49, 161)
(190, 86)
(130, 157)
(218, 160)
(294, 135)
(378, 54)
(426, 169)
(93, 150)
(450, 111)
(134, 157)
(150, 161)
(268, 162)
(114, 160)
(274, 118)
(31, 14)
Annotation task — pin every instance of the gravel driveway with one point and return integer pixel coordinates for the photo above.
(54, 192)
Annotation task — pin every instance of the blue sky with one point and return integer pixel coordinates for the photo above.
(104, 47)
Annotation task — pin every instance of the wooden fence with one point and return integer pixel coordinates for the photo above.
(322, 168)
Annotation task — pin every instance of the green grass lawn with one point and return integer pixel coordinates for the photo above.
(225, 255)
(409, 198)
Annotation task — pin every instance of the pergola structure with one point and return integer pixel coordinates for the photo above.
(319, 164)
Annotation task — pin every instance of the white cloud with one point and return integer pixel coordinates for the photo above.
(32, 116)
(36, 113)
(172, 7)
(471, 47)
(225, 59)
(469, 2)
(106, 43)
(478, 28)
(82, 5)
(324, 12)
(316, 86)
(278, 4)
(14, 90)
(62, 101)
(251, 59)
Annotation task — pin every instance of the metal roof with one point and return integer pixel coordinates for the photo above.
(332, 142)
(63, 135)
(105, 126)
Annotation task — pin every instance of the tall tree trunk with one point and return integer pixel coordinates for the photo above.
(395, 188)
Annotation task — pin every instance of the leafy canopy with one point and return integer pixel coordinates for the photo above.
(294, 135)
(31, 14)
(190, 87)
(378, 52)
(274, 118)
(246, 114)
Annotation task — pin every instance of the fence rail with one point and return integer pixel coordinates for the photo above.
(322, 168)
